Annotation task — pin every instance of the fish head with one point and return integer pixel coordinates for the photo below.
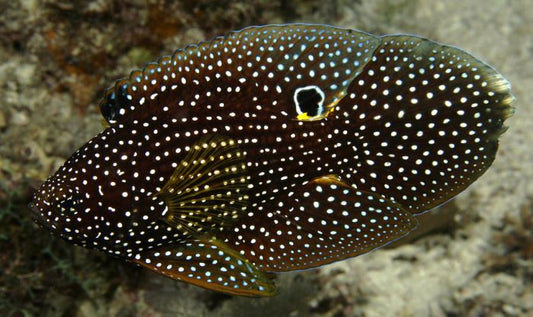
(56, 206)
(97, 200)
(73, 205)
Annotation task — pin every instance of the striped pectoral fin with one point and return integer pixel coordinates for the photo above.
(208, 189)
(211, 264)
(319, 223)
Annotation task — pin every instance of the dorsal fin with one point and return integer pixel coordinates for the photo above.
(287, 63)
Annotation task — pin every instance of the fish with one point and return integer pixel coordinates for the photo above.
(276, 148)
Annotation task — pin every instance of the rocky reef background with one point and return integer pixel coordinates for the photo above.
(471, 257)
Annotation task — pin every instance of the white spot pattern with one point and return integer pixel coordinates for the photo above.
(407, 124)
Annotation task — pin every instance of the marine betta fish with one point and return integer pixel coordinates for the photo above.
(276, 148)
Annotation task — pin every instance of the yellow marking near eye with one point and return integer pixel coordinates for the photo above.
(330, 108)
(303, 117)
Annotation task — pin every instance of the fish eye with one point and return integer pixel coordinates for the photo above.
(66, 205)
(309, 102)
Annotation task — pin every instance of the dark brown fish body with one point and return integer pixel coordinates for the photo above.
(277, 148)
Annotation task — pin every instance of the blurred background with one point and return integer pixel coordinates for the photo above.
(470, 257)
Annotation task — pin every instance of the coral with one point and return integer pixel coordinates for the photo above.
(509, 266)
(516, 245)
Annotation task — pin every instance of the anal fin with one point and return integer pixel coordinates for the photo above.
(321, 222)
(211, 264)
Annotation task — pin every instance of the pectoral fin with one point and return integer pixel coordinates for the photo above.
(207, 191)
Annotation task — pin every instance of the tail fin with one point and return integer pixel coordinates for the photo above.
(427, 119)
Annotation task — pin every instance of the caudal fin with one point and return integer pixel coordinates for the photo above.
(425, 121)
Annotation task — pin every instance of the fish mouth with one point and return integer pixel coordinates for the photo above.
(37, 215)
(37, 210)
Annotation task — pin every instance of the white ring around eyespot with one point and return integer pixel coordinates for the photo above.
(320, 103)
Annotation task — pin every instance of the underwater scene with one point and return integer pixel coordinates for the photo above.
(266, 158)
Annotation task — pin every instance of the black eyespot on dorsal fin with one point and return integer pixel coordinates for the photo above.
(309, 103)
